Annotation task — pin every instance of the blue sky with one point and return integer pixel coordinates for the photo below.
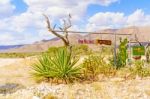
(20, 6)
(126, 6)
(21, 21)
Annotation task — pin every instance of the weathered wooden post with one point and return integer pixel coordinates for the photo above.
(115, 52)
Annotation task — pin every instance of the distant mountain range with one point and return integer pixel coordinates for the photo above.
(4, 47)
(143, 34)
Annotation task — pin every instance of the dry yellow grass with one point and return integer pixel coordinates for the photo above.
(18, 72)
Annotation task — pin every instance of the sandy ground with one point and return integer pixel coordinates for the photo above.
(16, 70)
(8, 61)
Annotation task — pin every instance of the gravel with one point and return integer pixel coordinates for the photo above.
(112, 89)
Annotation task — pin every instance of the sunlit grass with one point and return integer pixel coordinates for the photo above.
(18, 55)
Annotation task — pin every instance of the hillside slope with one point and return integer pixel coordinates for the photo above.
(143, 34)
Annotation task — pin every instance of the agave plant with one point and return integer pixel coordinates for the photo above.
(41, 69)
(61, 66)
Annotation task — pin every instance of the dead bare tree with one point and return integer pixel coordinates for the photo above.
(66, 25)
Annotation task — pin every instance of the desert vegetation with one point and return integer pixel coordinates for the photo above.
(58, 64)
(18, 55)
(82, 67)
(76, 70)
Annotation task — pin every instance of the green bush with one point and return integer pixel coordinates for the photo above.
(60, 67)
(77, 50)
(52, 50)
(80, 49)
(95, 65)
(105, 50)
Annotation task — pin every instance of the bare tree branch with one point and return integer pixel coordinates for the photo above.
(47, 21)
(55, 33)
(136, 38)
(61, 28)
(69, 24)
(54, 27)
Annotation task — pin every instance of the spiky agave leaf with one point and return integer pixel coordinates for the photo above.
(65, 65)
(43, 67)
(60, 66)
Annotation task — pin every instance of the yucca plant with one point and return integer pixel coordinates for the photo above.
(61, 66)
(41, 68)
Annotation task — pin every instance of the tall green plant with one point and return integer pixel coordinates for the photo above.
(61, 66)
(123, 51)
(122, 54)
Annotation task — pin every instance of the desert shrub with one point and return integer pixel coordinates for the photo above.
(52, 50)
(81, 50)
(105, 50)
(95, 65)
(60, 67)
(140, 70)
(77, 50)
(18, 55)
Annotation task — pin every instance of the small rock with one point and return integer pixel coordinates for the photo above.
(10, 88)
(35, 97)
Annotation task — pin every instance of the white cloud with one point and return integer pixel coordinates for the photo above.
(138, 18)
(24, 28)
(106, 20)
(30, 25)
(27, 21)
(105, 2)
(117, 20)
(6, 8)
(6, 38)
(23, 22)
(60, 8)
